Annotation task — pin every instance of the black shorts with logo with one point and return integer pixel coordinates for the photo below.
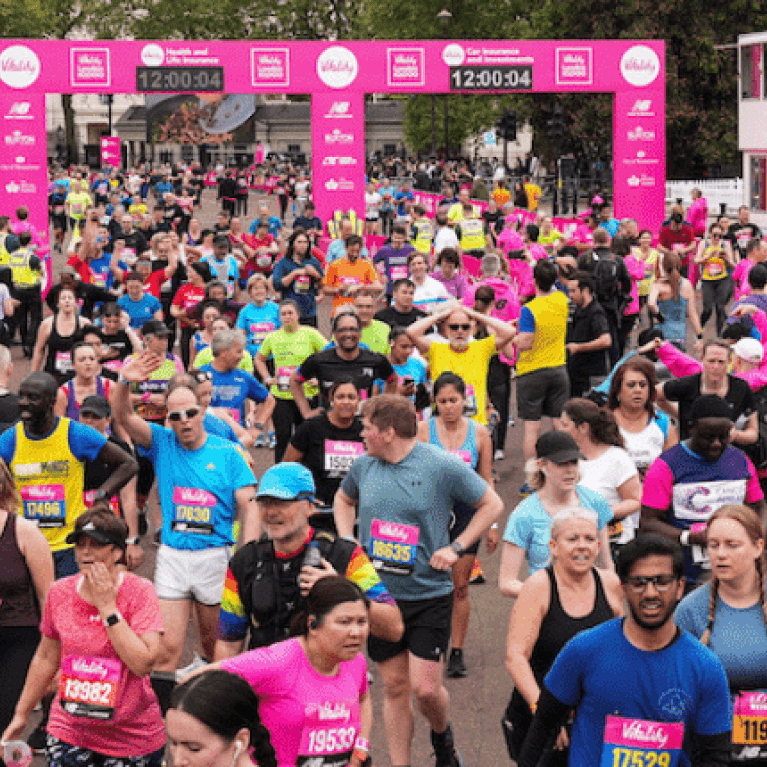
(427, 630)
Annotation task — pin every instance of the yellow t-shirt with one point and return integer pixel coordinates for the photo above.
(649, 270)
(715, 268)
(550, 238)
(550, 314)
(50, 479)
(77, 202)
(533, 192)
(472, 365)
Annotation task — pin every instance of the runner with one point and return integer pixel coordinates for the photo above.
(642, 689)
(450, 430)
(86, 382)
(298, 276)
(347, 275)
(204, 483)
(260, 317)
(403, 493)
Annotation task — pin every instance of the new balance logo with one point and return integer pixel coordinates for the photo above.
(339, 110)
(19, 110)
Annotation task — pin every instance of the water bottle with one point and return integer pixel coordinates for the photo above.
(16, 753)
(312, 556)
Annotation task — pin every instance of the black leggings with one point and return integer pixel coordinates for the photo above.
(499, 391)
(286, 417)
(716, 294)
(17, 647)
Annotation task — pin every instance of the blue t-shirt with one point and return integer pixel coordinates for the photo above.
(413, 368)
(197, 489)
(739, 636)
(257, 322)
(304, 295)
(529, 525)
(85, 443)
(218, 426)
(102, 274)
(404, 512)
(230, 390)
(139, 311)
(226, 270)
(600, 673)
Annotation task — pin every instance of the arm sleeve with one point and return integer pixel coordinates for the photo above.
(526, 321)
(300, 439)
(361, 571)
(145, 613)
(713, 712)
(519, 527)
(257, 391)
(596, 502)
(675, 389)
(232, 621)
(549, 717)
(711, 750)
(308, 369)
(240, 474)
(351, 484)
(385, 369)
(85, 442)
(658, 488)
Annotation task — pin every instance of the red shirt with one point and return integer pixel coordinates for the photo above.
(670, 237)
(253, 266)
(154, 284)
(82, 268)
(187, 297)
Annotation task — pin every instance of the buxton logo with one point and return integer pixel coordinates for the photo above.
(640, 134)
(19, 138)
(19, 66)
(640, 65)
(645, 733)
(339, 137)
(337, 67)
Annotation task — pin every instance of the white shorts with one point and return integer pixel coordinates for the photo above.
(197, 575)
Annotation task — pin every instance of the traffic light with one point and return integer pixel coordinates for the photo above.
(507, 125)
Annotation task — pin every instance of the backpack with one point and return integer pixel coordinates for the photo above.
(758, 451)
(609, 292)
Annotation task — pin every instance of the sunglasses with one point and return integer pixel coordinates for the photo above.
(638, 584)
(460, 327)
(201, 376)
(177, 415)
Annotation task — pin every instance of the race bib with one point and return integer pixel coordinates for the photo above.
(464, 455)
(340, 455)
(77, 209)
(89, 497)
(193, 511)
(264, 261)
(45, 505)
(470, 405)
(100, 279)
(259, 331)
(283, 378)
(63, 362)
(328, 734)
(639, 743)
(393, 547)
(749, 722)
(399, 272)
(302, 284)
(235, 413)
(58, 210)
(88, 687)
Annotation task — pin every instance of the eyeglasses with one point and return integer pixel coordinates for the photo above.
(179, 415)
(638, 584)
(201, 376)
(467, 326)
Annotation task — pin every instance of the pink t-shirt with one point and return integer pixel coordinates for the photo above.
(635, 268)
(537, 251)
(93, 676)
(307, 714)
(697, 215)
(740, 276)
(583, 233)
(508, 240)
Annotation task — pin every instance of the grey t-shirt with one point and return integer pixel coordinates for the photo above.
(404, 514)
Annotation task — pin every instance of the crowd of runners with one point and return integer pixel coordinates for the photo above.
(176, 346)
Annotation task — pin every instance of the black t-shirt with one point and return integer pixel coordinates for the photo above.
(120, 341)
(135, 241)
(686, 390)
(393, 318)
(10, 412)
(588, 324)
(326, 366)
(328, 451)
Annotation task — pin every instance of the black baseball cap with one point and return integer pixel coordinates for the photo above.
(97, 406)
(154, 328)
(104, 532)
(557, 447)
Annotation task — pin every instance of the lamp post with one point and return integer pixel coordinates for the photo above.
(444, 17)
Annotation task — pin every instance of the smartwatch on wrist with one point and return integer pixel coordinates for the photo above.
(112, 620)
(458, 548)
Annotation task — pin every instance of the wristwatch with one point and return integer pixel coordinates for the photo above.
(684, 538)
(458, 548)
(112, 620)
(100, 496)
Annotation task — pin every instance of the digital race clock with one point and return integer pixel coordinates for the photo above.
(501, 78)
(179, 79)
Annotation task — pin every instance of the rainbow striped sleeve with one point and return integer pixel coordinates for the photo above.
(362, 572)
(232, 621)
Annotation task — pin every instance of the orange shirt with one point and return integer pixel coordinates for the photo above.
(501, 196)
(343, 272)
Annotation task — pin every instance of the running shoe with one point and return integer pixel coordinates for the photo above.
(445, 752)
(498, 455)
(260, 440)
(272, 441)
(456, 667)
(197, 662)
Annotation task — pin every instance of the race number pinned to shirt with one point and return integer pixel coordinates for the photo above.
(393, 547)
(63, 362)
(749, 722)
(399, 272)
(302, 284)
(88, 686)
(470, 403)
(641, 743)
(45, 505)
(283, 377)
(259, 331)
(464, 455)
(340, 455)
(193, 511)
(328, 735)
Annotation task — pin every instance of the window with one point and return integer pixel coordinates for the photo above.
(758, 183)
(750, 71)
(294, 148)
(389, 149)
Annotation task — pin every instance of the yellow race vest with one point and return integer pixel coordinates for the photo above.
(50, 480)
(22, 274)
(424, 235)
(473, 234)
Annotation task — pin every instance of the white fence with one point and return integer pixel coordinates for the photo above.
(724, 190)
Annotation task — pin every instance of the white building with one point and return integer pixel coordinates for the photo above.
(752, 121)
